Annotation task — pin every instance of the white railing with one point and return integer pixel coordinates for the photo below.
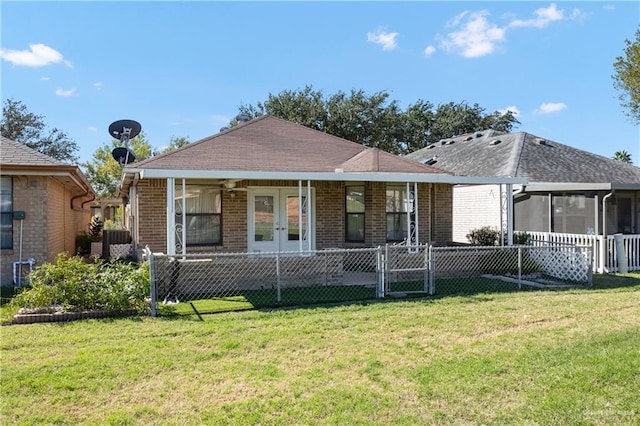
(605, 254)
(631, 248)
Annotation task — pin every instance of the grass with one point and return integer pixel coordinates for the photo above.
(569, 357)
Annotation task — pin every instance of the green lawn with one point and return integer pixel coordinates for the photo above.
(568, 357)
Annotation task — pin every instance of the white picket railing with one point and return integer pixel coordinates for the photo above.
(606, 256)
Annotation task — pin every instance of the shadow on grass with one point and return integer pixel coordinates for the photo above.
(607, 281)
(305, 297)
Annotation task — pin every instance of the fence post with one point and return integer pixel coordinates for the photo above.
(603, 265)
(519, 268)
(621, 254)
(152, 279)
(380, 271)
(278, 295)
(432, 284)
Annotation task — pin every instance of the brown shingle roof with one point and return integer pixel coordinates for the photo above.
(271, 144)
(17, 154)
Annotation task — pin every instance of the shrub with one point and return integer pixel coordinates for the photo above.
(485, 236)
(78, 285)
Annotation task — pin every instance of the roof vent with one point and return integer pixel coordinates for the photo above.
(443, 141)
(541, 141)
(451, 142)
(478, 135)
(495, 142)
(430, 161)
(431, 146)
(468, 138)
(222, 129)
(242, 118)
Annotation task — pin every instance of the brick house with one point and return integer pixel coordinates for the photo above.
(269, 185)
(44, 205)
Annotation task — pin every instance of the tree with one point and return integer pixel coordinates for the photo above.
(375, 120)
(104, 172)
(175, 143)
(22, 126)
(622, 156)
(627, 78)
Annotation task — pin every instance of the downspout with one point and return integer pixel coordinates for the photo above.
(603, 243)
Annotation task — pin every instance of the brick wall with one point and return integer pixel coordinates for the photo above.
(50, 225)
(329, 213)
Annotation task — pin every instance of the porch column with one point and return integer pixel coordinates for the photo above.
(506, 213)
(299, 215)
(171, 216)
(302, 236)
(133, 217)
(412, 214)
(510, 214)
(309, 217)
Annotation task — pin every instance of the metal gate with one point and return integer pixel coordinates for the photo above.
(406, 269)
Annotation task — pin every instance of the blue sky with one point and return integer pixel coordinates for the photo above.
(183, 68)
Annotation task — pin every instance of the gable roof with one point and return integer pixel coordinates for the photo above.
(545, 163)
(18, 154)
(271, 148)
(18, 159)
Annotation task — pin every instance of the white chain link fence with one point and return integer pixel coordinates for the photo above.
(292, 278)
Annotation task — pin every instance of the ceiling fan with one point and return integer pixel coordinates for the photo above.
(230, 186)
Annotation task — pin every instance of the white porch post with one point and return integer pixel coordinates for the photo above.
(183, 203)
(171, 216)
(510, 214)
(133, 217)
(416, 220)
(299, 215)
(309, 216)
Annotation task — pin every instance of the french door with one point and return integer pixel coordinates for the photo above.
(279, 220)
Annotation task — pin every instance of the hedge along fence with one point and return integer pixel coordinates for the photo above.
(293, 278)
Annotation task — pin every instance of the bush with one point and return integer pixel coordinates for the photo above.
(78, 285)
(485, 236)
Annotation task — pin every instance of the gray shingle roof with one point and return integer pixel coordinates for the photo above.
(524, 155)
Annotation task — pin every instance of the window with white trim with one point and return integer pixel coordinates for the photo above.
(6, 213)
(396, 213)
(355, 210)
(203, 214)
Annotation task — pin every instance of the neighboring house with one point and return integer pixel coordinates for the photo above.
(270, 185)
(44, 205)
(569, 190)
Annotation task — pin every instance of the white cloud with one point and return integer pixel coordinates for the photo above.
(384, 39)
(429, 50)
(514, 110)
(92, 129)
(66, 93)
(609, 7)
(473, 35)
(476, 35)
(550, 108)
(45, 78)
(38, 55)
(544, 16)
(98, 85)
